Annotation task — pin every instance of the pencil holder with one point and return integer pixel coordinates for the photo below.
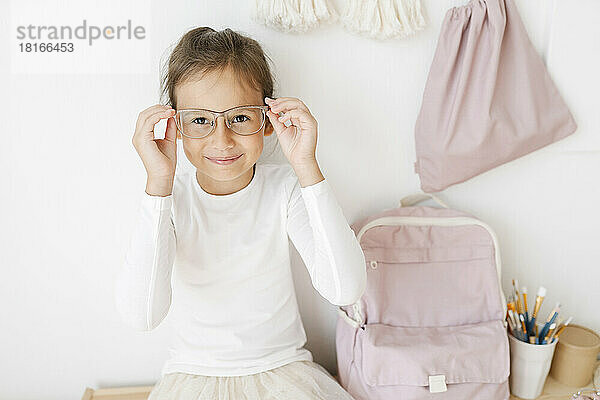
(529, 366)
(575, 357)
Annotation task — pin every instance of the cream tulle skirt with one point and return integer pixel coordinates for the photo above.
(298, 380)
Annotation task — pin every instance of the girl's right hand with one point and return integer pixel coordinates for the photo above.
(159, 156)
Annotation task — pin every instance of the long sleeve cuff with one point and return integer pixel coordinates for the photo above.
(157, 202)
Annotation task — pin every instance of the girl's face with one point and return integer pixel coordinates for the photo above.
(219, 91)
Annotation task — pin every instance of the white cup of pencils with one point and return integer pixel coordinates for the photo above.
(532, 342)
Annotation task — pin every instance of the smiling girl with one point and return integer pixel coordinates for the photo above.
(211, 247)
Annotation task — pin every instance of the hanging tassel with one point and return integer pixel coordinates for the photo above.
(293, 15)
(383, 19)
(361, 16)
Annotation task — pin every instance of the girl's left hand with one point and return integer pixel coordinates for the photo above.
(299, 140)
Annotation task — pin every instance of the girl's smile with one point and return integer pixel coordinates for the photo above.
(224, 161)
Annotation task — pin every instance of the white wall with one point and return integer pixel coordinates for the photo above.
(72, 181)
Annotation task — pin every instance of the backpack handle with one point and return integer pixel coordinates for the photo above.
(415, 198)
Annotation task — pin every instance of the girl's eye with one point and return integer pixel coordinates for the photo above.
(241, 118)
(194, 121)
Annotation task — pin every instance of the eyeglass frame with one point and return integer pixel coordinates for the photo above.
(216, 115)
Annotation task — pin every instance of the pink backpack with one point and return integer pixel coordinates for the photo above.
(430, 324)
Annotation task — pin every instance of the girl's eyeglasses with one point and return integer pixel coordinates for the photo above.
(199, 123)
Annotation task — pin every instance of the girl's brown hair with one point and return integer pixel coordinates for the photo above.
(202, 50)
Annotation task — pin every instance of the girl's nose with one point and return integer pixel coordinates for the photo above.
(222, 136)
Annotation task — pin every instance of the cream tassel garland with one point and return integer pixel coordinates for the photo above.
(294, 15)
(383, 19)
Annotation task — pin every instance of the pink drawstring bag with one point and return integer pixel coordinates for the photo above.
(488, 98)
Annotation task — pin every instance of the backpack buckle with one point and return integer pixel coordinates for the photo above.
(437, 383)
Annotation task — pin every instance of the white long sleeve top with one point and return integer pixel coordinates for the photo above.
(220, 265)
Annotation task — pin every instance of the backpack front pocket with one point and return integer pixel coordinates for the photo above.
(403, 292)
(476, 353)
